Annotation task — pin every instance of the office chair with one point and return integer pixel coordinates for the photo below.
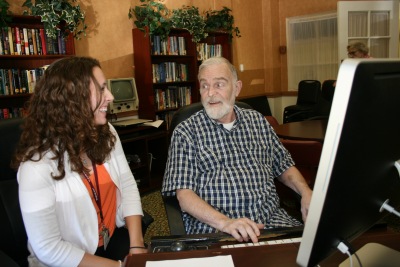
(171, 204)
(259, 103)
(309, 92)
(323, 107)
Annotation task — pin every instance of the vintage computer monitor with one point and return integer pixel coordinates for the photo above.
(125, 95)
(359, 166)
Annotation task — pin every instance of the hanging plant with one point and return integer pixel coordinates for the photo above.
(189, 18)
(4, 13)
(221, 20)
(151, 17)
(64, 15)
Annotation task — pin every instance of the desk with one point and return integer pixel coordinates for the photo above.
(141, 145)
(272, 255)
(303, 130)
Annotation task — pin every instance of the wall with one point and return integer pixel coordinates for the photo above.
(262, 24)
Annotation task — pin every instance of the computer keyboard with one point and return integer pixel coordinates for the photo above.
(264, 243)
(270, 236)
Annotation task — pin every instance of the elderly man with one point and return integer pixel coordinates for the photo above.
(223, 160)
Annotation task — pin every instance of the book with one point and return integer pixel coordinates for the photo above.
(21, 38)
(43, 41)
(18, 50)
(23, 78)
(11, 40)
(38, 41)
(2, 83)
(50, 45)
(26, 41)
(9, 81)
(16, 80)
(4, 34)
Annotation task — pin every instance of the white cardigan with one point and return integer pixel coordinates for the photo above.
(59, 216)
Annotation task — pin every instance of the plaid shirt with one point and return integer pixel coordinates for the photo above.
(232, 170)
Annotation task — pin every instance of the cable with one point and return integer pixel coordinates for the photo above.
(386, 206)
(346, 249)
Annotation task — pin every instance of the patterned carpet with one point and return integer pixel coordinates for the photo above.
(153, 204)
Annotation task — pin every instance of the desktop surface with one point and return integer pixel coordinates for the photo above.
(268, 255)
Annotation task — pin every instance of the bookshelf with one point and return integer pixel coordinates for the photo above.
(31, 59)
(166, 78)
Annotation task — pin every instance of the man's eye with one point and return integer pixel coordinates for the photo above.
(204, 86)
(219, 85)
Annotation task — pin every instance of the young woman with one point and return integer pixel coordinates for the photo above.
(79, 200)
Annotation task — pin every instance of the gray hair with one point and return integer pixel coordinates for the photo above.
(219, 60)
(359, 46)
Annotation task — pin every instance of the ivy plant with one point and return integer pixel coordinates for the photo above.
(221, 20)
(189, 18)
(64, 15)
(151, 17)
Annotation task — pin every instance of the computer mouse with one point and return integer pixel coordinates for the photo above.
(178, 246)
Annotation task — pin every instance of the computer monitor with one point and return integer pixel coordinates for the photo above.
(125, 95)
(359, 166)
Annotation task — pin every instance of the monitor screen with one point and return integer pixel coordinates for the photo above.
(125, 95)
(358, 169)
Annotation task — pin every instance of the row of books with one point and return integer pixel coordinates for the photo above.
(205, 51)
(9, 113)
(173, 97)
(173, 45)
(30, 41)
(19, 81)
(169, 72)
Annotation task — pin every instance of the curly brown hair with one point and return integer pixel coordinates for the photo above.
(60, 118)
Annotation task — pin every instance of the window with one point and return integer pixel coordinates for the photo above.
(312, 48)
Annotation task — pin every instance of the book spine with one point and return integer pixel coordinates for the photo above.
(22, 40)
(6, 44)
(43, 41)
(10, 82)
(11, 41)
(26, 41)
(24, 81)
(17, 41)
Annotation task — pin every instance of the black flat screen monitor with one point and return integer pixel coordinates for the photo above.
(358, 169)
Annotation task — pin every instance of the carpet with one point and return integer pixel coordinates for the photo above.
(153, 204)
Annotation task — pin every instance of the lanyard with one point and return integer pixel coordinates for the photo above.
(95, 195)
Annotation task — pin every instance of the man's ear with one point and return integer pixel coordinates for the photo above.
(238, 87)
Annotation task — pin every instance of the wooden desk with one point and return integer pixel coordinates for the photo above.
(272, 255)
(303, 130)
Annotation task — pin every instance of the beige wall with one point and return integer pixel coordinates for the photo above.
(262, 24)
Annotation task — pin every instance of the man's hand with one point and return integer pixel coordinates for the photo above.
(242, 229)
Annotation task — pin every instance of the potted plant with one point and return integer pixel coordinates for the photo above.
(221, 20)
(4, 13)
(189, 18)
(64, 15)
(152, 18)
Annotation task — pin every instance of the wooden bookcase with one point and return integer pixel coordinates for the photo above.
(151, 90)
(27, 62)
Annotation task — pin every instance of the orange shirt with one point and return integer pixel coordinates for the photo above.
(108, 199)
